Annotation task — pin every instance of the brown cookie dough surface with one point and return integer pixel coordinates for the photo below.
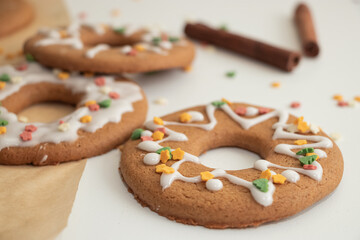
(182, 191)
(101, 48)
(14, 15)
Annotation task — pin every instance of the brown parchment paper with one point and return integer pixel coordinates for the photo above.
(47, 13)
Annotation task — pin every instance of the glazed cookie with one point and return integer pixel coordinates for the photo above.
(107, 49)
(14, 14)
(162, 167)
(108, 108)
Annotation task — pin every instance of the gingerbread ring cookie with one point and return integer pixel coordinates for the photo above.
(14, 15)
(164, 172)
(102, 48)
(108, 108)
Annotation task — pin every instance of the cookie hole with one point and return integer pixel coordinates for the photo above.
(229, 158)
(46, 112)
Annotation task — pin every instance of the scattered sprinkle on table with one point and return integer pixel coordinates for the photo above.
(276, 84)
(230, 74)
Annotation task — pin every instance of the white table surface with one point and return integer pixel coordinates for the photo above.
(103, 208)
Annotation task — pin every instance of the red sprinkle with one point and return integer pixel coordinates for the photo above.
(133, 52)
(240, 111)
(61, 122)
(164, 37)
(114, 95)
(309, 167)
(94, 107)
(295, 105)
(26, 136)
(100, 81)
(263, 110)
(146, 138)
(163, 130)
(22, 67)
(343, 103)
(30, 128)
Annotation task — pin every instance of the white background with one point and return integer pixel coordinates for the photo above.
(103, 208)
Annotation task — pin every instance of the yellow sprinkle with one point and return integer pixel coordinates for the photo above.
(157, 135)
(162, 168)
(185, 117)
(164, 156)
(86, 119)
(205, 176)
(357, 98)
(188, 69)
(310, 154)
(276, 84)
(139, 47)
(178, 154)
(302, 126)
(91, 102)
(63, 33)
(227, 101)
(158, 121)
(266, 174)
(2, 85)
(278, 178)
(338, 97)
(88, 74)
(63, 75)
(300, 142)
(2, 130)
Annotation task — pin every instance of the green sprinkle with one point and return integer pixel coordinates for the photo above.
(3, 122)
(136, 134)
(174, 39)
(5, 78)
(156, 40)
(120, 30)
(163, 149)
(105, 104)
(29, 57)
(305, 151)
(308, 159)
(230, 74)
(224, 27)
(262, 184)
(218, 103)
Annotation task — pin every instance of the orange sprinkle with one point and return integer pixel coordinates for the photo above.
(162, 168)
(266, 174)
(357, 98)
(139, 47)
(205, 176)
(158, 121)
(300, 142)
(278, 178)
(188, 69)
(276, 84)
(91, 102)
(2, 130)
(63, 75)
(302, 126)
(310, 154)
(178, 154)
(86, 119)
(157, 135)
(164, 156)
(338, 97)
(185, 117)
(2, 85)
(226, 101)
(63, 33)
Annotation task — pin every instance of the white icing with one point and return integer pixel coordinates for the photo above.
(146, 133)
(126, 49)
(152, 158)
(214, 185)
(263, 198)
(196, 116)
(251, 111)
(95, 50)
(50, 132)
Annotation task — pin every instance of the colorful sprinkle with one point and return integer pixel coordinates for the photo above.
(164, 156)
(132, 52)
(26, 136)
(29, 57)
(223, 27)
(266, 174)
(309, 167)
(91, 102)
(2, 130)
(178, 154)
(105, 104)
(30, 128)
(5, 77)
(188, 68)
(94, 107)
(163, 130)
(2, 85)
(338, 97)
(3, 122)
(206, 176)
(163, 149)
(173, 39)
(230, 74)
(100, 81)
(263, 110)
(241, 111)
(218, 104)
(63, 75)
(22, 67)
(146, 138)
(357, 98)
(86, 119)
(279, 179)
(139, 47)
(226, 101)
(302, 126)
(304, 151)
(295, 105)
(276, 84)
(158, 121)
(262, 184)
(120, 30)
(313, 154)
(162, 168)
(185, 117)
(157, 135)
(114, 95)
(308, 159)
(136, 134)
(343, 103)
(300, 142)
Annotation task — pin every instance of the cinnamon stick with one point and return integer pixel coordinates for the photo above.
(281, 58)
(306, 29)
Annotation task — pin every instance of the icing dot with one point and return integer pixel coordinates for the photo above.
(146, 133)
(251, 111)
(291, 176)
(196, 116)
(214, 185)
(152, 158)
